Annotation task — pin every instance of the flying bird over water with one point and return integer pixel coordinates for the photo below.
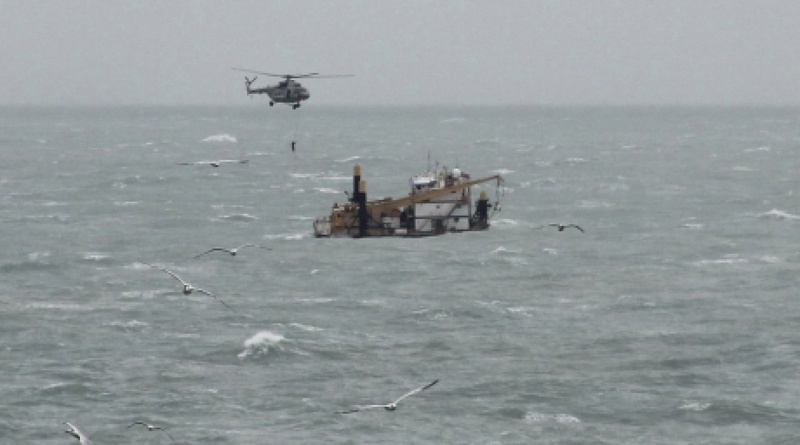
(217, 163)
(390, 406)
(561, 227)
(76, 433)
(233, 251)
(188, 288)
(152, 428)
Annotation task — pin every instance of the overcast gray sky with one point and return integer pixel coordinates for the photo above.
(403, 52)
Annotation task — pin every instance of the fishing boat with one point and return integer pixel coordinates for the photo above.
(439, 202)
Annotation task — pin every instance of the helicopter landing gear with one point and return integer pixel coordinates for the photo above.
(295, 106)
(271, 103)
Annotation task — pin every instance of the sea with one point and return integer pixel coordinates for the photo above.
(671, 319)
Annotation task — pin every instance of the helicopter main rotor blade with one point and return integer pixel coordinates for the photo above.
(260, 72)
(285, 76)
(293, 76)
(330, 76)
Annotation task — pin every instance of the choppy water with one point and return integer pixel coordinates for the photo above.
(672, 320)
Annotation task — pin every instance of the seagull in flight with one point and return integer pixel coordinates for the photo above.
(561, 227)
(216, 163)
(233, 251)
(188, 288)
(76, 433)
(390, 406)
(151, 428)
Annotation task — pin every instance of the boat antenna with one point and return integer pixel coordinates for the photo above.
(429, 160)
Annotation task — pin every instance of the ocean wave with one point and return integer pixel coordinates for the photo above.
(503, 171)
(306, 175)
(54, 217)
(778, 214)
(439, 314)
(290, 236)
(70, 307)
(453, 120)
(141, 294)
(261, 344)
(32, 264)
(95, 256)
(350, 159)
(239, 217)
(694, 406)
(504, 222)
(126, 324)
(584, 204)
(576, 160)
(522, 310)
(336, 178)
(501, 250)
(222, 137)
(533, 416)
(305, 327)
(731, 412)
(487, 143)
(65, 388)
(320, 300)
(733, 259)
(327, 190)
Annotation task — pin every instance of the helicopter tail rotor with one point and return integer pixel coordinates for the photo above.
(247, 83)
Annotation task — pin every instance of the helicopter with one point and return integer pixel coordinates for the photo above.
(287, 91)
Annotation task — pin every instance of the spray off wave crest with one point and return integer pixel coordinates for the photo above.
(261, 344)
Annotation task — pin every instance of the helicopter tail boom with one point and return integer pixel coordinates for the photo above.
(248, 82)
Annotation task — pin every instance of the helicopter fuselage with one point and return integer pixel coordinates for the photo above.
(286, 92)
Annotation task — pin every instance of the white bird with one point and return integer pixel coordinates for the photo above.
(188, 288)
(76, 433)
(393, 405)
(151, 427)
(561, 227)
(233, 251)
(216, 163)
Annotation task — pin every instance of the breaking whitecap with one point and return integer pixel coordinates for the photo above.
(222, 137)
(261, 344)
